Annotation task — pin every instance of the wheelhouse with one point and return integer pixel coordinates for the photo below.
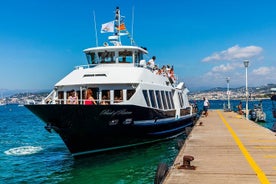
(115, 55)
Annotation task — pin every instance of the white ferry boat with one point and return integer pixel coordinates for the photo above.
(131, 104)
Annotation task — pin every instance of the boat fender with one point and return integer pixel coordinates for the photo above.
(180, 143)
(274, 127)
(161, 173)
(188, 130)
(48, 127)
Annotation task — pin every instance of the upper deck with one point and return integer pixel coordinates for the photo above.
(115, 54)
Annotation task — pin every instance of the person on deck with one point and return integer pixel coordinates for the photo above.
(151, 62)
(89, 98)
(206, 106)
(73, 97)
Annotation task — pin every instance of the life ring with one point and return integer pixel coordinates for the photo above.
(161, 172)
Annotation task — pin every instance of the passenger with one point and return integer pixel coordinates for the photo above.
(155, 69)
(75, 97)
(206, 105)
(151, 62)
(240, 109)
(163, 70)
(171, 76)
(89, 98)
(104, 102)
(159, 72)
(118, 99)
(168, 68)
(70, 99)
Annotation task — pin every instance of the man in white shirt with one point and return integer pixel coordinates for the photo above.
(151, 63)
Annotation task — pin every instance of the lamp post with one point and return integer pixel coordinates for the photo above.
(246, 64)
(228, 93)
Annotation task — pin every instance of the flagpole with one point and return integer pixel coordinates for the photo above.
(119, 23)
(95, 26)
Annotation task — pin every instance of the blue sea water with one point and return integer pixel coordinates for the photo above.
(30, 154)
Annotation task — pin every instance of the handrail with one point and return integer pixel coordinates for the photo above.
(81, 102)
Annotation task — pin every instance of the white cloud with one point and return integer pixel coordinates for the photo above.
(223, 68)
(235, 53)
(264, 71)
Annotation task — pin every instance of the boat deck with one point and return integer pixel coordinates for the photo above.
(226, 149)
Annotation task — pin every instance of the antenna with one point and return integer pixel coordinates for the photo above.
(132, 27)
(96, 35)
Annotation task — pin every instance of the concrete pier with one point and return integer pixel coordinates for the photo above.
(226, 148)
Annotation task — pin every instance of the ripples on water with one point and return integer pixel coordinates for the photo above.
(29, 154)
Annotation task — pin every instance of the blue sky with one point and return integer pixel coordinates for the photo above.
(206, 41)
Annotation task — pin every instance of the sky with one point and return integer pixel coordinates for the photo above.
(206, 41)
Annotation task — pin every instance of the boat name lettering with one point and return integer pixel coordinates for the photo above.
(109, 112)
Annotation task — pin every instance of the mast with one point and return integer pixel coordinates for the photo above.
(120, 30)
(117, 24)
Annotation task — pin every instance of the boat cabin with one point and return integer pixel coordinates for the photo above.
(115, 55)
(116, 93)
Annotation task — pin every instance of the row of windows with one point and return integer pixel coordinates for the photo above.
(114, 57)
(100, 96)
(159, 99)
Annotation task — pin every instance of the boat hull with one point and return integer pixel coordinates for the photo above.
(90, 129)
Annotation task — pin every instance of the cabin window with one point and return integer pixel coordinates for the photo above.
(146, 97)
(125, 57)
(118, 96)
(138, 56)
(171, 98)
(105, 97)
(106, 57)
(75, 95)
(164, 100)
(60, 97)
(158, 98)
(95, 94)
(91, 58)
(168, 99)
(152, 98)
(130, 93)
(180, 99)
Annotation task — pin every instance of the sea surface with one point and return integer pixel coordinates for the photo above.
(30, 154)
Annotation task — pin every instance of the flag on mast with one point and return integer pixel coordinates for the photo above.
(108, 27)
(122, 27)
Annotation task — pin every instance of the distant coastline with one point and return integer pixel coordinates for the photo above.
(255, 93)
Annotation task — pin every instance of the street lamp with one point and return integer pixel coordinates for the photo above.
(228, 93)
(246, 64)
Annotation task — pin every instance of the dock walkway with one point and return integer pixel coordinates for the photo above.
(226, 149)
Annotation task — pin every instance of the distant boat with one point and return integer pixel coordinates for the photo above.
(132, 104)
(2, 100)
(30, 102)
(273, 100)
(257, 114)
